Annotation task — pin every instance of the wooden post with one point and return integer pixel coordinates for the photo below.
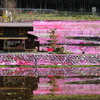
(5, 43)
(24, 43)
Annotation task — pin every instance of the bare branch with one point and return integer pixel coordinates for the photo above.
(9, 3)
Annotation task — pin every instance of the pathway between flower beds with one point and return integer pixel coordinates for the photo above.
(49, 59)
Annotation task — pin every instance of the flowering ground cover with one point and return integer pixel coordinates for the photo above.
(60, 80)
(62, 87)
(69, 28)
(49, 59)
(68, 71)
(63, 81)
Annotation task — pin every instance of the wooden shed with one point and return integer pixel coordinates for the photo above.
(14, 37)
(17, 87)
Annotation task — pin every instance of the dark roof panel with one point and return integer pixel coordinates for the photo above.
(16, 24)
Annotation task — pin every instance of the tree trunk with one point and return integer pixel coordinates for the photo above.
(20, 4)
(62, 5)
(84, 6)
(56, 6)
(59, 5)
(40, 4)
(27, 5)
(73, 5)
(45, 4)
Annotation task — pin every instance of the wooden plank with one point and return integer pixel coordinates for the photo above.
(13, 88)
(12, 77)
(5, 38)
(14, 48)
(29, 49)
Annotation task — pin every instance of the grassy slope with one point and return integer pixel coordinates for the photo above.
(49, 66)
(66, 97)
(26, 16)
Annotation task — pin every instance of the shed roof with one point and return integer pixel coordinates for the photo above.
(6, 24)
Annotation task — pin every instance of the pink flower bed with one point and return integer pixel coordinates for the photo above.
(68, 28)
(67, 89)
(49, 59)
(50, 72)
(62, 88)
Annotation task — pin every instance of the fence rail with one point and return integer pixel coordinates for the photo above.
(50, 10)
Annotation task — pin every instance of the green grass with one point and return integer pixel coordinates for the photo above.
(66, 97)
(47, 66)
(62, 16)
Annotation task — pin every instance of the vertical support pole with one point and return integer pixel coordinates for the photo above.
(36, 65)
(4, 43)
(24, 43)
